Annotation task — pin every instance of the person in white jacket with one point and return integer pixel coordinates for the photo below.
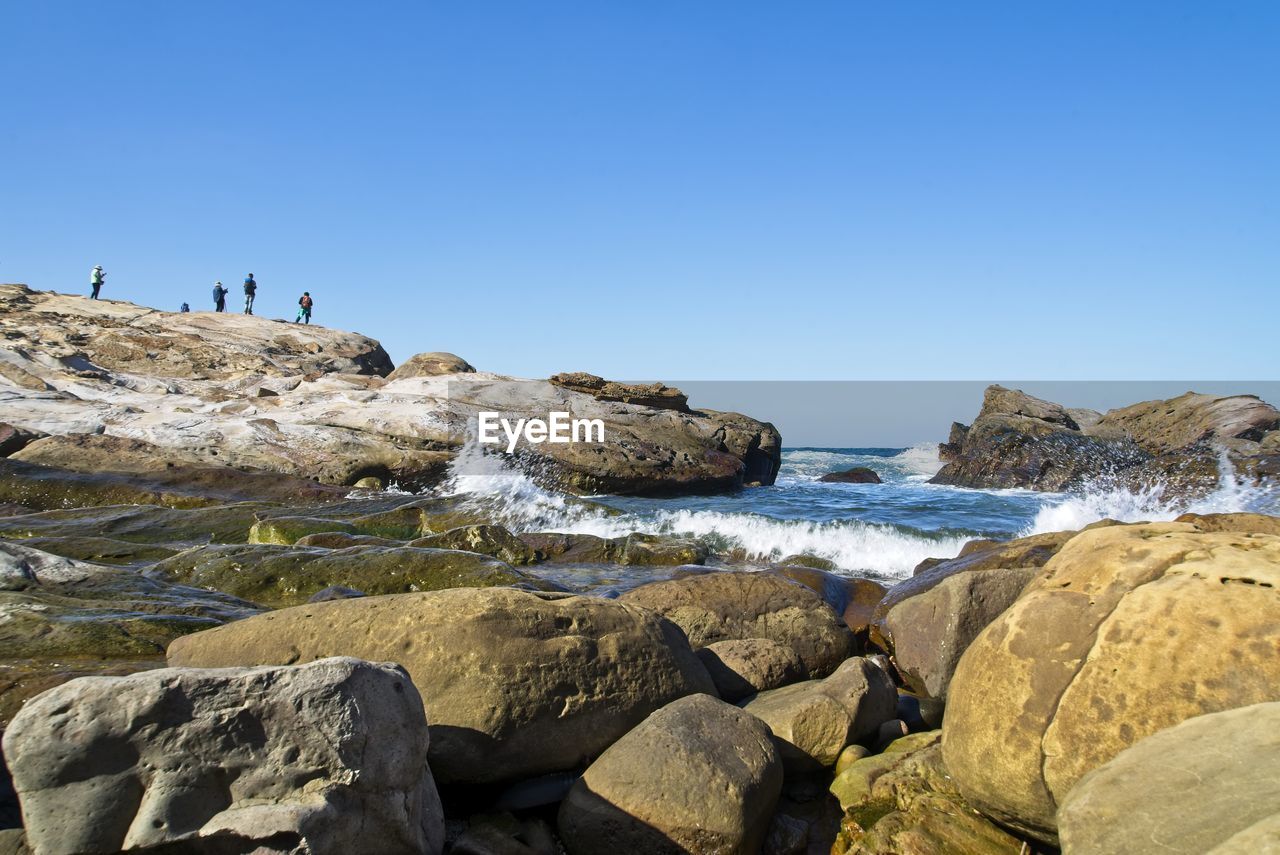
(96, 278)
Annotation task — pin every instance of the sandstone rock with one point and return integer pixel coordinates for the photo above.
(278, 576)
(285, 531)
(102, 550)
(1161, 427)
(927, 622)
(1185, 789)
(138, 523)
(1244, 523)
(721, 606)
(648, 550)
(813, 721)
(342, 540)
(515, 684)
(224, 393)
(1129, 629)
(14, 439)
(853, 599)
(485, 539)
(745, 666)
(902, 802)
(329, 757)
(654, 395)
(856, 475)
(698, 775)
(1261, 838)
(431, 365)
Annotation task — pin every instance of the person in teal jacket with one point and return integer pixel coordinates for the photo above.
(96, 278)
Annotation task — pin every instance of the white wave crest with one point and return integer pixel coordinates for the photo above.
(1154, 504)
(920, 461)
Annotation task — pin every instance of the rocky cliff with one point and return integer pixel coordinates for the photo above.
(108, 386)
(1021, 441)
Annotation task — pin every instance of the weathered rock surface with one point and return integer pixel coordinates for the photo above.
(856, 475)
(1021, 441)
(648, 550)
(328, 757)
(227, 392)
(745, 666)
(853, 599)
(431, 365)
(720, 606)
(278, 576)
(698, 775)
(1185, 789)
(902, 802)
(485, 539)
(515, 684)
(814, 720)
(1129, 630)
(926, 622)
(656, 395)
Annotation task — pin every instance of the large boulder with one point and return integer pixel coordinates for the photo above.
(278, 576)
(1162, 427)
(814, 720)
(856, 475)
(328, 757)
(719, 606)
(1183, 790)
(515, 684)
(1129, 629)
(926, 622)
(696, 776)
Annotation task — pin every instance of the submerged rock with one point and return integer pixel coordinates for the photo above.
(278, 576)
(1129, 629)
(698, 775)
(856, 475)
(327, 757)
(515, 684)
(720, 606)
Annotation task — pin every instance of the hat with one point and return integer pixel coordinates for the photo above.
(97, 267)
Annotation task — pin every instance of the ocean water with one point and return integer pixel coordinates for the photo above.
(874, 530)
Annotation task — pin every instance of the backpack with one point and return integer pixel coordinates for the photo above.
(305, 302)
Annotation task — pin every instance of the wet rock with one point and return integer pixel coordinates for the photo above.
(335, 592)
(485, 539)
(515, 684)
(698, 775)
(102, 550)
(342, 540)
(278, 576)
(646, 550)
(504, 834)
(14, 439)
(813, 721)
(1129, 630)
(328, 757)
(853, 599)
(145, 524)
(745, 666)
(285, 531)
(856, 475)
(927, 622)
(722, 606)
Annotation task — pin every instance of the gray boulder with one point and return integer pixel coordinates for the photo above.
(325, 758)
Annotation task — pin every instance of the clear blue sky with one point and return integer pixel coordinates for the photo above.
(672, 190)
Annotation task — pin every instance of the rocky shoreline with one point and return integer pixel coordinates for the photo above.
(220, 633)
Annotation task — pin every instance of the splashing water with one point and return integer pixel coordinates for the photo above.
(1154, 504)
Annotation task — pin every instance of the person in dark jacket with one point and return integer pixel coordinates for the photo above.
(250, 290)
(219, 297)
(184, 308)
(304, 307)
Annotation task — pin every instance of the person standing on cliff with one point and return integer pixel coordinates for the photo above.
(304, 307)
(250, 290)
(96, 278)
(219, 297)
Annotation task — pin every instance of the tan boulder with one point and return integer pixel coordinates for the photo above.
(431, 365)
(1129, 629)
(515, 684)
(697, 776)
(813, 721)
(719, 606)
(1182, 790)
(744, 666)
